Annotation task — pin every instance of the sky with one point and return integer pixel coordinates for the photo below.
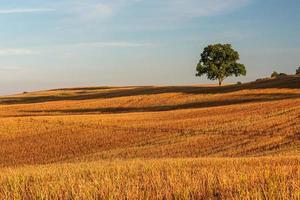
(69, 43)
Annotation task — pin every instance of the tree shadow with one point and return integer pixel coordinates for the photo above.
(249, 98)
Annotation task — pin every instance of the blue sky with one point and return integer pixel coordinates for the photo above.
(64, 43)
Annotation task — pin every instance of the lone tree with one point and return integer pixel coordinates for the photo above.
(298, 71)
(219, 61)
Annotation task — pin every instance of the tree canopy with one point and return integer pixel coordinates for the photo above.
(219, 61)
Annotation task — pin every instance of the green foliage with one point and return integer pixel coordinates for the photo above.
(298, 70)
(277, 75)
(274, 74)
(282, 75)
(219, 61)
(239, 83)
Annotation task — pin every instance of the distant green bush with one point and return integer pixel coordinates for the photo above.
(277, 75)
(239, 83)
(262, 79)
(282, 75)
(298, 71)
(274, 74)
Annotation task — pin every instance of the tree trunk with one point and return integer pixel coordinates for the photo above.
(220, 82)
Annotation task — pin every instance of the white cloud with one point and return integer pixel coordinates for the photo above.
(25, 10)
(90, 10)
(86, 11)
(101, 9)
(72, 46)
(9, 68)
(202, 8)
(116, 44)
(16, 52)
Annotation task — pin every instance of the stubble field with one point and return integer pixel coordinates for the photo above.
(184, 142)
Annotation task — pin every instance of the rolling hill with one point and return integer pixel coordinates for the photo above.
(153, 142)
(260, 118)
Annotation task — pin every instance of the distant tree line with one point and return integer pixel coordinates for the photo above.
(276, 74)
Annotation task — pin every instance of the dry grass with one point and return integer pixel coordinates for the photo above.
(95, 125)
(260, 178)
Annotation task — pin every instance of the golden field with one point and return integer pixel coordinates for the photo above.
(181, 142)
(209, 178)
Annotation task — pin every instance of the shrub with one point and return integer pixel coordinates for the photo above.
(274, 74)
(282, 75)
(239, 83)
(262, 79)
(298, 71)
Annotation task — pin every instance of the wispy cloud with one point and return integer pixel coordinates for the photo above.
(90, 10)
(154, 11)
(15, 52)
(196, 8)
(99, 10)
(25, 10)
(86, 11)
(96, 9)
(116, 44)
(9, 68)
(72, 46)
